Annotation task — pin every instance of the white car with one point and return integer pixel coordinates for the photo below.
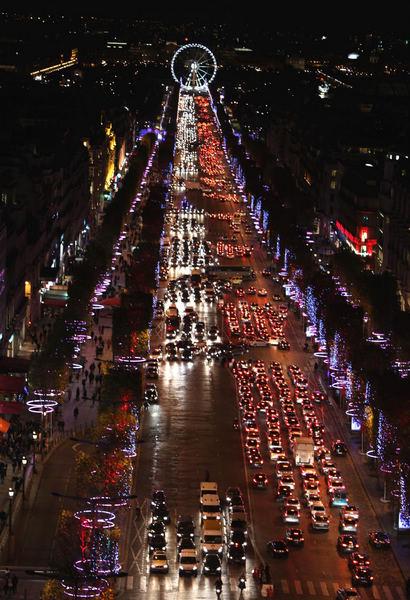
(290, 514)
(351, 511)
(317, 508)
(348, 524)
(292, 501)
(320, 521)
(188, 563)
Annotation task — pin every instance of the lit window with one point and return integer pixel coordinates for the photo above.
(333, 185)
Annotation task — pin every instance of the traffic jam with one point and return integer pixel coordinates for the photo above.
(287, 451)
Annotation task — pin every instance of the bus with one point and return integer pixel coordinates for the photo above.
(230, 271)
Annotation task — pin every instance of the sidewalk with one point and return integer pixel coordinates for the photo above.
(371, 479)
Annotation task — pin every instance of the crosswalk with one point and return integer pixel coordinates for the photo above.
(283, 587)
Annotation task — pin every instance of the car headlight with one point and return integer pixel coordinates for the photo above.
(206, 568)
(205, 550)
(195, 568)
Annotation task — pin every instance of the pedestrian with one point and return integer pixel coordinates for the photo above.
(267, 573)
(77, 393)
(316, 366)
(75, 412)
(86, 374)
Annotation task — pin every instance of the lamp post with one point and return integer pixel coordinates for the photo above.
(11, 496)
(24, 463)
(35, 436)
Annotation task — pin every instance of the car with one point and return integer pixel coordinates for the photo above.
(283, 492)
(151, 393)
(152, 372)
(211, 565)
(351, 511)
(292, 501)
(278, 548)
(238, 537)
(283, 345)
(158, 497)
(236, 504)
(231, 492)
(236, 553)
(294, 536)
(157, 542)
(185, 526)
(358, 558)
(348, 524)
(347, 594)
(260, 481)
(347, 543)
(320, 521)
(362, 575)
(155, 527)
(379, 539)
(188, 563)
(160, 512)
(318, 397)
(338, 497)
(286, 479)
(290, 514)
(159, 562)
(339, 448)
(185, 543)
(262, 292)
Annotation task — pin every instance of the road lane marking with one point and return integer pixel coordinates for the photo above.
(143, 583)
(285, 586)
(324, 588)
(298, 587)
(311, 588)
(375, 592)
(232, 583)
(400, 592)
(387, 592)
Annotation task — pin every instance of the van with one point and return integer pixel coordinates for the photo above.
(210, 507)
(208, 488)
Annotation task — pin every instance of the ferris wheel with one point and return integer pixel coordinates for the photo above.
(193, 67)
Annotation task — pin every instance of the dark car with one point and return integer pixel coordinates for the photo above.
(347, 543)
(294, 536)
(283, 345)
(283, 492)
(379, 539)
(339, 448)
(155, 528)
(362, 575)
(358, 559)
(212, 565)
(157, 542)
(347, 594)
(161, 512)
(158, 497)
(278, 548)
(238, 537)
(186, 543)
(185, 526)
(236, 554)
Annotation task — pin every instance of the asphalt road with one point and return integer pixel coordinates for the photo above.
(189, 434)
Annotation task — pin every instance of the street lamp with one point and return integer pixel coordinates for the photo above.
(24, 463)
(11, 496)
(35, 436)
